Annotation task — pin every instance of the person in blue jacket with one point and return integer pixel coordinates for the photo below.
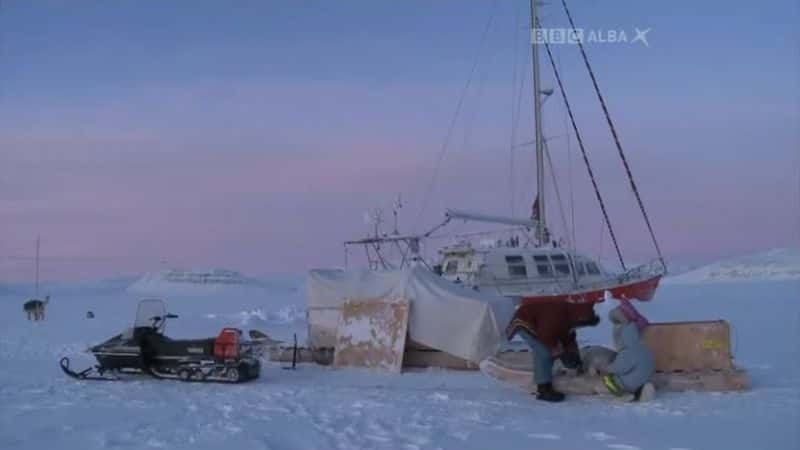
(630, 371)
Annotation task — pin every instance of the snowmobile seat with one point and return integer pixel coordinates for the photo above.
(226, 345)
(155, 344)
(180, 347)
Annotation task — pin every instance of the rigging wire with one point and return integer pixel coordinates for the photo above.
(520, 97)
(472, 112)
(556, 190)
(459, 105)
(583, 149)
(568, 138)
(600, 249)
(616, 137)
(514, 122)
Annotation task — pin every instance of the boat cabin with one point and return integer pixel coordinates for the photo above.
(511, 270)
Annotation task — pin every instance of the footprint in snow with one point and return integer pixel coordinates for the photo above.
(599, 436)
(379, 438)
(622, 447)
(547, 436)
(438, 396)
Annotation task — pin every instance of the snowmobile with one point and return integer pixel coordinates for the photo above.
(145, 350)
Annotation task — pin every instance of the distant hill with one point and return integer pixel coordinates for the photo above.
(781, 264)
(95, 287)
(201, 281)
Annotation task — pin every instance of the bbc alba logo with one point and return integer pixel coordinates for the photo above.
(580, 35)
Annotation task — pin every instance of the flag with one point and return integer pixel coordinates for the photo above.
(535, 210)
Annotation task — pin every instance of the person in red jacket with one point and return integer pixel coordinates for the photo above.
(548, 327)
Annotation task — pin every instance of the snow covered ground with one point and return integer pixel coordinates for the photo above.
(318, 407)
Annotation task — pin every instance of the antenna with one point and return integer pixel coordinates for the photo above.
(376, 219)
(37, 266)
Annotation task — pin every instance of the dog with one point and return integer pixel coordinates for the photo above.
(35, 308)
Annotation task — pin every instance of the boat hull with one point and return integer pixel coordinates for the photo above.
(643, 290)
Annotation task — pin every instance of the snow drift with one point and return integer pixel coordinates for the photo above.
(773, 265)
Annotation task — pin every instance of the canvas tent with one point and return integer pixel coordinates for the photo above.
(443, 316)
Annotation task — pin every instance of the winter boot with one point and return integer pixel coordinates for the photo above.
(611, 384)
(545, 392)
(645, 393)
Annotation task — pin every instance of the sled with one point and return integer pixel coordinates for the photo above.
(677, 381)
(689, 356)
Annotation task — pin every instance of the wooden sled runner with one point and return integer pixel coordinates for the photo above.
(706, 380)
(523, 379)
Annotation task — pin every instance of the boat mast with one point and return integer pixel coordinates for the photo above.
(37, 267)
(541, 228)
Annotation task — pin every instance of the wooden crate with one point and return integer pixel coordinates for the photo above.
(690, 346)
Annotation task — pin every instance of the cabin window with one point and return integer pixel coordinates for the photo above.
(516, 267)
(580, 268)
(592, 268)
(543, 267)
(560, 264)
(562, 269)
(544, 270)
(451, 268)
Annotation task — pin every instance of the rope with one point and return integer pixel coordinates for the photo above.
(583, 149)
(446, 143)
(616, 137)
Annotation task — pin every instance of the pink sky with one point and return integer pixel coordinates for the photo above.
(131, 141)
(110, 196)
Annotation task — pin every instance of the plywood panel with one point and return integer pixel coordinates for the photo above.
(372, 333)
(690, 346)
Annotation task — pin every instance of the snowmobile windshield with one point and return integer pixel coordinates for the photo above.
(148, 310)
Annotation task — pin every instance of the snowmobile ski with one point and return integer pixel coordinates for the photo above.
(94, 373)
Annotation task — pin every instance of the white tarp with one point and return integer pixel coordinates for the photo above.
(443, 316)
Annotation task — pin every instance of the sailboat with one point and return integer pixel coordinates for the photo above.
(532, 265)
(541, 268)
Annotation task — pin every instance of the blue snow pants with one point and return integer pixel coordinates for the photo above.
(542, 360)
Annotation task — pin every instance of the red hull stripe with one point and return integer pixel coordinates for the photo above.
(643, 290)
